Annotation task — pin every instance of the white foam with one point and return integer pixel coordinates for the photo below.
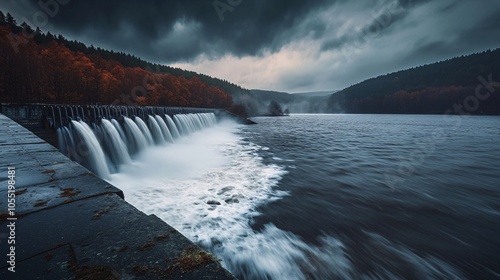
(277, 254)
(208, 186)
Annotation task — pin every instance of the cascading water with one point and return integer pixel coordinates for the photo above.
(156, 131)
(172, 127)
(188, 123)
(65, 140)
(120, 130)
(144, 129)
(115, 146)
(95, 154)
(180, 125)
(134, 135)
(164, 129)
(111, 144)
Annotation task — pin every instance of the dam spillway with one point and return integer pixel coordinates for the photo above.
(71, 223)
(102, 137)
(103, 147)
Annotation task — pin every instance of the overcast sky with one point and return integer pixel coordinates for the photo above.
(283, 45)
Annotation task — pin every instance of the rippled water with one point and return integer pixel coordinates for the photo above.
(333, 196)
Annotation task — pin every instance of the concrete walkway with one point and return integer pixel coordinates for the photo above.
(69, 224)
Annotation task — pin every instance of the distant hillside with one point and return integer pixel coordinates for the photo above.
(428, 89)
(315, 93)
(268, 95)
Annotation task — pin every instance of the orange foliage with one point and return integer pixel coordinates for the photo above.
(52, 73)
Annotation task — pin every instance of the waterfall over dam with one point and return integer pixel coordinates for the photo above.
(178, 155)
(103, 137)
(103, 147)
(65, 215)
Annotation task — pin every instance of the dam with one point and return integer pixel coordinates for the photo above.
(70, 223)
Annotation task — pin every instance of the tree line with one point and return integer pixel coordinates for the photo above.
(39, 67)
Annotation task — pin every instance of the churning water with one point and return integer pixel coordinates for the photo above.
(323, 196)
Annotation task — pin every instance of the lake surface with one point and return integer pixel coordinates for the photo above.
(333, 196)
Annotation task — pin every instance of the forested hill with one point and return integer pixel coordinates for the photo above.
(41, 67)
(428, 89)
(128, 60)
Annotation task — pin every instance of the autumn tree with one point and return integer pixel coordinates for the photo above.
(44, 69)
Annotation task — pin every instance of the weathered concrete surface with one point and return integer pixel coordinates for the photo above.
(73, 225)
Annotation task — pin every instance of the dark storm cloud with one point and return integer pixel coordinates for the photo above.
(141, 26)
(483, 34)
(170, 31)
(431, 48)
(376, 23)
(488, 29)
(284, 45)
